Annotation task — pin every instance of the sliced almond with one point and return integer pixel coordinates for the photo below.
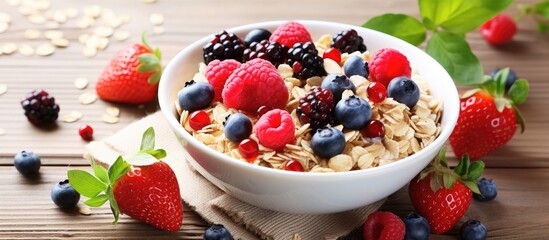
(71, 117)
(2, 131)
(3, 89)
(60, 42)
(87, 98)
(156, 19)
(26, 50)
(53, 34)
(81, 83)
(84, 210)
(32, 34)
(110, 119)
(121, 35)
(45, 49)
(9, 48)
(113, 111)
(4, 27)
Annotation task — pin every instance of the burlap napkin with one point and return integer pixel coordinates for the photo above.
(243, 220)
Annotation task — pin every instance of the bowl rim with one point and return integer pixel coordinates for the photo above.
(167, 110)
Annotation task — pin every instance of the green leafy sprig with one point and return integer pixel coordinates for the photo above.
(540, 12)
(99, 186)
(449, 21)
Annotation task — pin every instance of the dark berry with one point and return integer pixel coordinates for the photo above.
(473, 230)
(64, 195)
(511, 78)
(348, 41)
(293, 165)
(199, 119)
(270, 51)
(374, 129)
(27, 163)
(332, 53)
(307, 56)
(355, 65)
(217, 232)
(224, 46)
(328, 142)
(353, 112)
(376, 92)
(403, 90)
(249, 149)
(237, 127)
(488, 190)
(196, 95)
(337, 84)
(256, 35)
(40, 107)
(86, 132)
(316, 108)
(417, 227)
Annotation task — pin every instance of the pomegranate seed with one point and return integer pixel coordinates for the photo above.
(376, 92)
(199, 119)
(249, 149)
(374, 129)
(297, 67)
(332, 53)
(262, 110)
(86, 132)
(293, 165)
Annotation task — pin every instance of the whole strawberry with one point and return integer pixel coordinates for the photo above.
(441, 195)
(488, 119)
(132, 75)
(146, 190)
(498, 30)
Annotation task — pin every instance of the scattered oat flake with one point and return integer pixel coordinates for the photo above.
(60, 42)
(113, 111)
(4, 26)
(110, 119)
(159, 29)
(2, 131)
(71, 117)
(37, 18)
(89, 51)
(59, 16)
(3, 89)
(81, 83)
(13, 3)
(51, 25)
(4, 17)
(103, 31)
(125, 18)
(148, 1)
(87, 98)
(26, 50)
(83, 38)
(156, 19)
(53, 34)
(121, 35)
(32, 34)
(71, 12)
(45, 49)
(9, 48)
(84, 210)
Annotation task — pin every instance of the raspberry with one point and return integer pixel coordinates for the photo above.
(348, 41)
(224, 46)
(499, 29)
(270, 51)
(316, 108)
(275, 129)
(217, 73)
(254, 84)
(291, 33)
(384, 226)
(388, 63)
(40, 107)
(305, 62)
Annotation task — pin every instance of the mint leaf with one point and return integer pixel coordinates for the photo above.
(97, 201)
(454, 54)
(472, 185)
(142, 159)
(85, 183)
(461, 16)
(475, 170)
(118, 169)
(157, 153)
(147, 142)
(401, 26)
(519, 91)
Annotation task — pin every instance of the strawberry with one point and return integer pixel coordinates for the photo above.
(488, 119)
(132, 75)
(146, 190)
(498, 30)
(441, 195)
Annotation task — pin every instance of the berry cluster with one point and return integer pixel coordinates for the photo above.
(40, 107)
(305, 62)
(224, 46)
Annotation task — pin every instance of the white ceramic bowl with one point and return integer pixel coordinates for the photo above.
(307, 193)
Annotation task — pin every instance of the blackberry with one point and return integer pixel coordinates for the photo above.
(270, 51)
(304, 60)
(348, 41)
(40, 107)
(316, 108)
(224, 46)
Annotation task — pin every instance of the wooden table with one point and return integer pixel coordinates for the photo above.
(26, 210)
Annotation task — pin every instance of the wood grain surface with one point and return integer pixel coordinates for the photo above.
(26, 210)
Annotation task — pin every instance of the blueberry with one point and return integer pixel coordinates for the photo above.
(237, 127)
(196, 95)
(27, 163)
(353, 112)
(473, 230)
(257, 35)
(487, 188)
(337, 83)
(511, 78)
(417, 227)
(355, 65)
(217, 232)
(64, 195)
(328, 142)
(403, 90)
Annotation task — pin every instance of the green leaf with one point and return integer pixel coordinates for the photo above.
(463, 166)
(155, 77)
(401, 26)
(424, 174)
(118, 169)
(436, 183)
(489, 86)
(520, 119)
(453, 53)
(472, 185)
(100, 172)
(97, 201)
(542, 27)
(114, 205)
(157, 153)
(519, 91)
(461, 16)
(147, 142)
(85, 183)
(142, 159)
(448, 181)
(542, 8)
(475, 170)
(501, 80)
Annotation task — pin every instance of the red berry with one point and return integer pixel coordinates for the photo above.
(374, 129)
(275, 129)
(291, 33)
(332, 53)
(293, 165)
(388, 63)
(297, 67)
(199, 119)
(384, 226)
(499, 29)
(249, 149)
(262, 110)
(376, 92)
(217, 72)
(86, 132)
